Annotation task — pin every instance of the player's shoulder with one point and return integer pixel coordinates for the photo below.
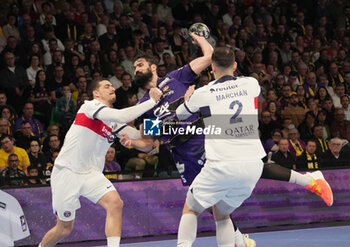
(91, 104)
(7, 200)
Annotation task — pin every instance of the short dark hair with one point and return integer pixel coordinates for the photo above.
(150, 59)
(94, 85)
(223, 57)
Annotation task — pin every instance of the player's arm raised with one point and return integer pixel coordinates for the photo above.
(199, 64)
(193, 101)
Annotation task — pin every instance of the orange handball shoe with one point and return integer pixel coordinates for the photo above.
(320, 187)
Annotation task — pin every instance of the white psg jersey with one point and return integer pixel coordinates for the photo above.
(88, 139)
(229, 107)
(13, 224)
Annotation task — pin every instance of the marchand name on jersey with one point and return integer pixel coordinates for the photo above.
(231, 95)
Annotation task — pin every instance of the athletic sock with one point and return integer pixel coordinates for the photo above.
(187, 230)
(301, 179)
(39, 245)
(113, 241)
(224, 236)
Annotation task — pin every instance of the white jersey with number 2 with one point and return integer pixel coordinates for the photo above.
(231, 105)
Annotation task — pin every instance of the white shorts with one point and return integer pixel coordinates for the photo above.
(225, 184)
(67, 186)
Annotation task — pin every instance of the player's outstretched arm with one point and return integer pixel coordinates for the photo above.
(200, 63)
(142, 144)
(128, 114)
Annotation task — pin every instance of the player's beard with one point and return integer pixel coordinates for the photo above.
(142, 79)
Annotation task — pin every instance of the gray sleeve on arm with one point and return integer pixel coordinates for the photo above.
(130, 131)
(125, 115)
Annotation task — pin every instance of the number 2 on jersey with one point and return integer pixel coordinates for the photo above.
(235, 118)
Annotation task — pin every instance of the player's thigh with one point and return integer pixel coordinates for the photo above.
(95, 186)
(65, 186)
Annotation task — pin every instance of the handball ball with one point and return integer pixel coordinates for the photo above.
(200, 29)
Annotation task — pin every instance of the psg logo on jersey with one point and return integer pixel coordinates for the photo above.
(67, 214)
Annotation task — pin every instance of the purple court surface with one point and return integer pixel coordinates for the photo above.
(315, 237)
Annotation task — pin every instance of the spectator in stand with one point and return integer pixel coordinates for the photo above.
(13, 81)
(271, 145)
(57, 83)
(347, 82)
(34, 67)
(284, 98)
(52, 129)
(308, 159)
(338, 93)
(24, 135)
(111, 165)
(4, 127)
(305, 128)
(128, 62)
(36, 157)
(54, 144)
(116, 78)
(321, 95)
(65, 109)
(266, 126)
(329, 108)
(170, 66)
(109, 38)
(286, 122)
(335, 78)
(296, 145)
(28, 115)
(301, 96)
(8, 148)
(312, 106)
(272, 107)
(294, 111)
(311, 86)
(283, 156)
(39, 95)
(12, 175)
(322, 120)
(345, 106)
(336, 156)
(8, 113)
(123, 91)
(33, 172)
(340, 127)
(321, 143)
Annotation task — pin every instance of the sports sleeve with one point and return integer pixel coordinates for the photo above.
(191, 106)
(184, 74)
(124, 115)
(19, 225)
(133, 133)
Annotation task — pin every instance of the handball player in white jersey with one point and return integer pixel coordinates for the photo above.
(79, 165)
(233, 164)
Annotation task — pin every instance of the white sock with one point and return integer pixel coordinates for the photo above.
(239, 239)
(187, 230)
(298, 178)
(113, 241)
(39, 245)
(224, 237)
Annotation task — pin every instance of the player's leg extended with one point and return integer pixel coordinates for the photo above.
(224, 229)
(57, 233)
(313, 181)
(188, 224)
(113, 205)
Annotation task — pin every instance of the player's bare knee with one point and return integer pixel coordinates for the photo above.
(114, 205)
(65, 228)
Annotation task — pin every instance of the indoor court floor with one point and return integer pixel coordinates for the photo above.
(314, 237)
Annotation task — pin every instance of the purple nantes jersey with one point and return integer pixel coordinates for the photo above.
(187, 150)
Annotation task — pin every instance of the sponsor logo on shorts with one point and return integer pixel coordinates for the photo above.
(67, 214)
(23, 223)
(2, 205)
(109, 186)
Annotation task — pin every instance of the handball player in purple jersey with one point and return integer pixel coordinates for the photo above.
(188, 150)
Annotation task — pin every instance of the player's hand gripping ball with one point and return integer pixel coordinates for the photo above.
(200, 29)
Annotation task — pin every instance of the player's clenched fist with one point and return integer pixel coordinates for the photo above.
(155, 94)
